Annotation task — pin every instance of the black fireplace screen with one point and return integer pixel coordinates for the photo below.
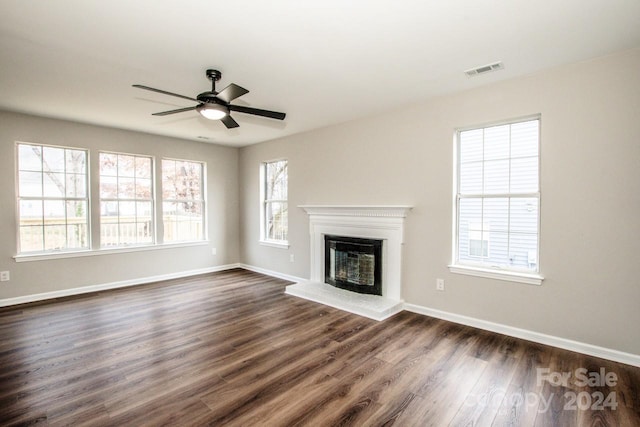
(353, 264)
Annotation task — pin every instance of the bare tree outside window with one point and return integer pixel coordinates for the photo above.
(182, 200)
(275, 205)
(126, 200)
(52, 198)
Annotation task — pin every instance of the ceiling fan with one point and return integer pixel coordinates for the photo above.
(215, 105)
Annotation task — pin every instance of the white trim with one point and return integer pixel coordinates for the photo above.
(272, 273)
(135, 199)
(17, 198)
(113, 285)
(108, 251)
(584, 348)
(384, 223)
(275, 244)
(509, 276)
(579, 347)
(502, 122)
(159, 206)
(263, 195)
(263, 204)
(535, 278)
(390, 211)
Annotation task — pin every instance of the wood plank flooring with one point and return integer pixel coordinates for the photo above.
(230, 348)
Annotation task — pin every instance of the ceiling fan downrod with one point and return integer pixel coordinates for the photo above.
(214, 76)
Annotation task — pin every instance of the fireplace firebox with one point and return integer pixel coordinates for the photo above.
(353, 264)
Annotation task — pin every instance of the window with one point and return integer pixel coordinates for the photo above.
(54, 211)
(274, 179)
(126, 200)
(52, 199)
(479, 241)
(182, 200)
(498, 197)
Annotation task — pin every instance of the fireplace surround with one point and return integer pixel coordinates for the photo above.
(383, 223)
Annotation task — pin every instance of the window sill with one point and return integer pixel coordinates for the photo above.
(510, 276)
(107, 251)
(275, 244)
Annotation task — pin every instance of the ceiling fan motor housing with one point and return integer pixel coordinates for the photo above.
(210, 98)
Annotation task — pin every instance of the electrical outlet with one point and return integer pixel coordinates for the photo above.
(292, 258)
(440, 285)
(214, 251)
(4, 276)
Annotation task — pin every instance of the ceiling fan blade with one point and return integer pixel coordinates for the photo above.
(179, 110)
(229, 122)
(164, 92)
(257, 112)
(231, 92)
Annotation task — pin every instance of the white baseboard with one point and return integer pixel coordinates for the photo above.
(589, 349)
(113, 285)
(579, 347)
(272, 273)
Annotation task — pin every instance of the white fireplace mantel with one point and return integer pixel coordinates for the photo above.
(382, 222)
(398, 211)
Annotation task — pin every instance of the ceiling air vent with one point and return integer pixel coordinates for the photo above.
(484, 69)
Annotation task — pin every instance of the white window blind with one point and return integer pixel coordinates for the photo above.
(498, 197)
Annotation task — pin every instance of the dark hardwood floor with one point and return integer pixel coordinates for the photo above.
(230, 348)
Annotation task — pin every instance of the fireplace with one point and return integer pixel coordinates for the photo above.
(369, 245)
(353, 264)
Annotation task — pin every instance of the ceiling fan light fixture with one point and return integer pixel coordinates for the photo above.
(212, 111)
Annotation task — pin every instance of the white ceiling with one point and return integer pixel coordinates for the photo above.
(321, 62)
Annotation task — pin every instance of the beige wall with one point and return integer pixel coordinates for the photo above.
(590, 203)
(28, 278)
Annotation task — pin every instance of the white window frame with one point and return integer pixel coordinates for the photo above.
(481, 269)
(43, 198)
(202, 200)
(92, 179)
(118, 199)
(264, 240)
